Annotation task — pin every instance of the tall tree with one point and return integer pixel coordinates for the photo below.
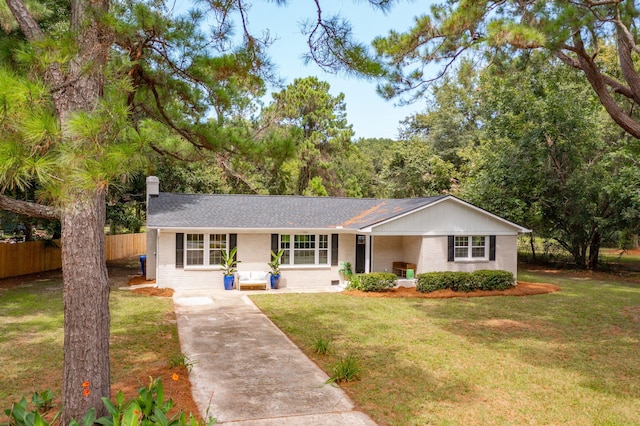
(583, 34)
(546, 159)
(416, 171)
(83, 97)
(317, 122)
(450, 123)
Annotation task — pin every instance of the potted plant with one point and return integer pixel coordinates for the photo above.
(346, 270)
(275, 268)
(229, 264)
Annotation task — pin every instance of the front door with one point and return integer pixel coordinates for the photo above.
(361, 251)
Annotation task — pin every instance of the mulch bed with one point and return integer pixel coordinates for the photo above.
(522, 289)
(149, 291)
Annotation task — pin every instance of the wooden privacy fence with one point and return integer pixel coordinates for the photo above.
(125, 245)
(39, 256)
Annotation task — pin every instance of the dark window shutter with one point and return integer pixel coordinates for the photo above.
(179, 250)
(334, 249)
(450, 248)
(274, 243)
(492, 247)
(233, 242)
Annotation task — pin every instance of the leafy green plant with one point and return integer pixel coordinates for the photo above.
(20, 415)
(345, 369)
(321, 345)
(345, 269)
(465, 281)
(375, 281)
(181, 360)
(493, 279)
(149, 408)
(43, 400)
(229, 263)
(275, 262)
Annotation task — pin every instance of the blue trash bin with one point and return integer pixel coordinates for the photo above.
(143, 265)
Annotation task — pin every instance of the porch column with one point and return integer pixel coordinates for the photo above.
(152, 249)
(367, 254)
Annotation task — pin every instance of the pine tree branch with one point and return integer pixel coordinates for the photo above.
(27, 24)
(29, 209)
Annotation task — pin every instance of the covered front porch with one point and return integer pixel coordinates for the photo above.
(385, 253)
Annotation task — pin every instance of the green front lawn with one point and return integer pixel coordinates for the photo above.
(143, 336)
(571, 357)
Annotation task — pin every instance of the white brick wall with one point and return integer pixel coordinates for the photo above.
(254, 252)
(429, 253)
(434, 256)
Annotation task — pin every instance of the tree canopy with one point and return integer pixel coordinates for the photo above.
(599, 38)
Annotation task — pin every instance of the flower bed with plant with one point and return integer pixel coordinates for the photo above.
(374, 281)
(465, 281)
(149, 408)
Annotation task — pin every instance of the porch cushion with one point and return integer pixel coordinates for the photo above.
(244, 275)
(259, 276)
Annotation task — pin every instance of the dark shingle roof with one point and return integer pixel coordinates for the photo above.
(169, 210)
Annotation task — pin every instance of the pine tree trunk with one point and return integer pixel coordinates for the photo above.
(86, 306)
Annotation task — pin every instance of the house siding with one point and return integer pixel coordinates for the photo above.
(449, 217)
(434, 256)
(254, 252)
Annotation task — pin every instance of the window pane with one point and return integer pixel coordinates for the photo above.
(477, 252)
(195, 241)
(304, 257)
(285, 244)
(462, 241)
(304, 241)
(195, 249)
(217, 243)
(478, 247)
(323, 241)
(461, 252)
(478, 241)
(304, 249)
(323, 257)
(461, 247)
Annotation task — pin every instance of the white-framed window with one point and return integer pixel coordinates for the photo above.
(471, 247)
(217, 244)
(204, 249)
(305, 249)
(194, 249)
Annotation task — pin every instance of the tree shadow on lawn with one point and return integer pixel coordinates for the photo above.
(392, 388)
(588, 328)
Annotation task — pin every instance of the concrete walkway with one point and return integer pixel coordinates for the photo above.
(247, 372)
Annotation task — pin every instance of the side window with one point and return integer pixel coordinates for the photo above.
(217, 244)
(476, 247)
(195, 249)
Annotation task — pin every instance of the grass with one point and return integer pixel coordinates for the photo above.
(143, 336)
(570, 357)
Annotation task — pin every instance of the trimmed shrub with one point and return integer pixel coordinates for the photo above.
(374, 281)
(493, 280)
(465, 281)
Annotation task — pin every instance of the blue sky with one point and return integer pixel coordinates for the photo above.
(370, 115)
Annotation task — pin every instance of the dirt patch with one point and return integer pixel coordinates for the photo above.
(12, 282)
(152, 291)
(139, 279)
(148, 291)
(632, 312)
(522, 289)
